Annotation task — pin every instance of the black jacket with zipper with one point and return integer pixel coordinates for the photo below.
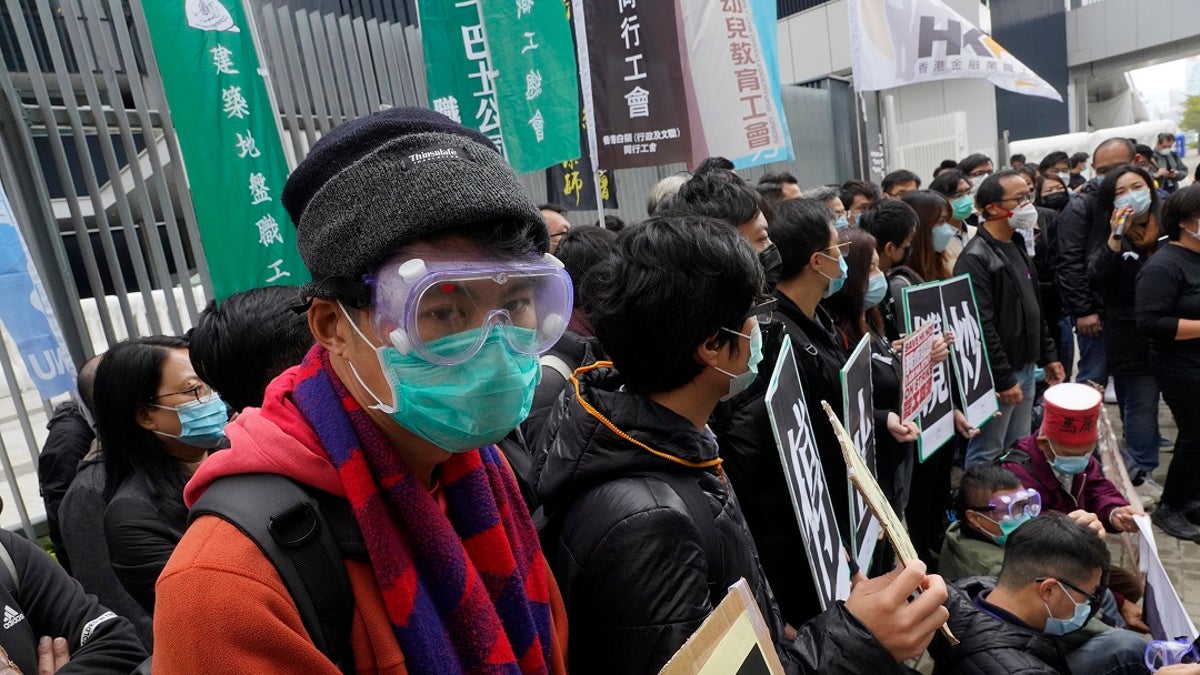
(638, 568)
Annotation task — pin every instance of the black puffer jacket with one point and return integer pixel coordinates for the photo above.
(1077, 236)
(989, 645)
(1114, 278)
(141, 538)
(638, 572)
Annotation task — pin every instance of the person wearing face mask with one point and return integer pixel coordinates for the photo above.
(1034, 617)
(432, 297)
(1127, 201)
(1005, 284)
(1051, 197)
(991, 505)
(157, 422)
(1167, 302)
(1171, 169)
(932, 236)
(976, 167)
(893, 224)
(958, 191)
(858, 196)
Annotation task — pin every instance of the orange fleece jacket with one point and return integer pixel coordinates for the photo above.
(222, 608)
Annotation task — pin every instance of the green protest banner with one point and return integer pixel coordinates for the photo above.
(536, 81)
(230, 141)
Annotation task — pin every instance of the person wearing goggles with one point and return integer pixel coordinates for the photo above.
(433, 295)
(1037, 616)
(992, 504)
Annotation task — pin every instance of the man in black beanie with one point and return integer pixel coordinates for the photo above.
(432, 297)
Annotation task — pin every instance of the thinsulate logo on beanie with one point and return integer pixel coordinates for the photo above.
(432, 155)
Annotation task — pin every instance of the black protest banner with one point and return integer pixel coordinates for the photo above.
(858, 408)
(922, 305)
(572, 186)
(976, 387)
(806, 479)
(637, 82)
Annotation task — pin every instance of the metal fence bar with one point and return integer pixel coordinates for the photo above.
(384, 58)
(301, 74)
(335, 55)
(414, 57)
(313, 67)
(283, 75)
(348, 53)
(10, 476)
(10, 379)
(328, 83)
(364, 67)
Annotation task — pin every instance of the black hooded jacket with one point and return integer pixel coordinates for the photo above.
(639, 565)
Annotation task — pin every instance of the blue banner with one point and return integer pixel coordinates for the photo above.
(26, 313)
(764, 13)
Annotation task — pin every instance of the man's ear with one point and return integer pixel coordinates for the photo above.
(708, 353)
(329, 325)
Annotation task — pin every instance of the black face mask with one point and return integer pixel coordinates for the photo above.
(1057, 201)
(772, 264)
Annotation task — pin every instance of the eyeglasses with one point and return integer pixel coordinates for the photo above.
(201, 392)
(763, 312)
(1019, 199)
(1093, 599)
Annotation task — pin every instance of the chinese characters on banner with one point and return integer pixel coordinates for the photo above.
(897, 43)
(858, 401)
(765, 22)
(229, 134)
(923, 305)
(739, 108)
(917, 387)
(536, 85)
(571, 185)
(636, 82)
(969, 356)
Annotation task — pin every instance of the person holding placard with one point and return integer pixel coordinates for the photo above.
(1006, 291)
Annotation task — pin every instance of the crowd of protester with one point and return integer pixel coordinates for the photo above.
(483, 440)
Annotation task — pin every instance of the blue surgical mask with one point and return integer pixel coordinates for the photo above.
(942, 234)
(835, 284)
(877, 287)
(842, 222)
(1055, 626)
(461, 407)
(739, 383)
(1138, 199)
(1068, 465)
(1008, 526)
(201, 422)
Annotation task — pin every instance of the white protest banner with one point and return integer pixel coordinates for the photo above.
(923, 305)
(801, 460)
(858, 405)
(733, 639)
(969, 354)
(1162, 610)
(917, 357)
(899, 42)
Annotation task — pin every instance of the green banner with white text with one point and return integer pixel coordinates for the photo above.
(229, 137)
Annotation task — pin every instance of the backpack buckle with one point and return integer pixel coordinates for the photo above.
(294, 526)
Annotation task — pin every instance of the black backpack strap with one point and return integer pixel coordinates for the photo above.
(286, 523)
(698, 507)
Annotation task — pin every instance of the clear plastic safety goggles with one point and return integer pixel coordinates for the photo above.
(418, 303)
(1023, 502)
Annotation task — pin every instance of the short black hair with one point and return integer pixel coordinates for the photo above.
(890, 222)
(899, 177)
(944, 165)
(800, 229)
(581, 249)
(1051, 159)
(553, 207)
(1078, 158)
(855, 187)
(1016, 158)
(1052, 545)
(713, 163)
(947, 183)
(611, 223)
(241, 344)
(978, 484)
(1183, 205)
(716, 192)
(1165, 137)
(991, 190)
(1144, 150)
(671, 284)
(971, 162)
(781, 177)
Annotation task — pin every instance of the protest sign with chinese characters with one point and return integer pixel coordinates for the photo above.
(917, 356)
(229, 135)
(537, 91)
(858, 405)
(899, 42)
(801, 460)
(969, 355)
(923, 305)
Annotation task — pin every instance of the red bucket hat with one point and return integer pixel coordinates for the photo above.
(1071, 413)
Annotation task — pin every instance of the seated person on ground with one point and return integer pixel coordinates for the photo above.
(992, 503)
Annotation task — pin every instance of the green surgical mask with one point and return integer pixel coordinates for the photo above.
(963, 206)
(461, 407)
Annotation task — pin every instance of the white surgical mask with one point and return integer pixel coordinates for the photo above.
(1025, 217)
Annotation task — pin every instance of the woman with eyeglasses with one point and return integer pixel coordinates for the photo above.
(157, 421)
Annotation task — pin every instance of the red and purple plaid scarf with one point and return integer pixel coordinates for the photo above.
(466, 588)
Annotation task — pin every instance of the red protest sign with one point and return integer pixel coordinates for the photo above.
(917, 357)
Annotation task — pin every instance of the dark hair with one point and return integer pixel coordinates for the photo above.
(671, 284)
(85, 383)
(1145, 151)
(1041, 179)
(824, 193)
(971, 162)
(715, 192)
(855, 187)
(1016, 158)
(581, 249)
(944, 165)
(978, 484)
(800, 229)
(772, 195)
(1051, 159)
(240, 345)
(991, 190)
(611, 223)
(1183, 205)
(129, 375)
(847, 305)
(1027, 171)
(947, 183)
(1165, 137)
(899, 177)
(1106, 195)
(709, 164)
(890, 222)
(1052, 545)
(782, 177)
(553, 207)
(929, 207)
(1077, 158)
